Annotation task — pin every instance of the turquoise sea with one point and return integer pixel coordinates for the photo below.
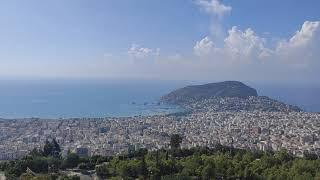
(117, 98)
(83, 98)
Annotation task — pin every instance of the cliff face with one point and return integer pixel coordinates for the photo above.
(206, 91)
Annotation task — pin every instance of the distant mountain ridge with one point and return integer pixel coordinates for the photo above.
(219, 89)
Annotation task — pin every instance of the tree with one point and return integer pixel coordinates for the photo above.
(102, 171)
(282, 156)
(38, 164)
(54, 164)
(55, 148)
(310, 156)
(51, 148)
(129, 168)
(143, 168)
(192, 165)
(175, 141)
(48, 148)
(71, 161)
(208, 172)
(35, 152)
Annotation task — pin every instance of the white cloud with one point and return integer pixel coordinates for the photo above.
(138, 52)
(244, 55)
(204, 47)
(303, 47)
(306, 34)
(243, 44)
(217, 11)
(214, 7)
(301, 50)
(238, 45)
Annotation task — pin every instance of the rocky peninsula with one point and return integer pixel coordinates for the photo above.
(225, 96)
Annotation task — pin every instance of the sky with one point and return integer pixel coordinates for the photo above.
(248, 40)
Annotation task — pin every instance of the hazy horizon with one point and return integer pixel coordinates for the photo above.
(101, 98)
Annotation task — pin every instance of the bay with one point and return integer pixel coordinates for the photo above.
(119, 98)
(83, 98)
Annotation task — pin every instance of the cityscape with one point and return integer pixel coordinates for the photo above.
(298, 132)
(159, 90)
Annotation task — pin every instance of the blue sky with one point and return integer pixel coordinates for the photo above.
(158, 39)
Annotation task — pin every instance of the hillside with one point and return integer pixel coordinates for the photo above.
(236, 104)
(225, 96)
(206, 91)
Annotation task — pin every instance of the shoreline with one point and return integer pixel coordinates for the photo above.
(102, 118)
(163, 109)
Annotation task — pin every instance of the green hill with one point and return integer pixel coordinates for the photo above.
(220, 89)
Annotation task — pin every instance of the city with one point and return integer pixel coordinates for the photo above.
(298, 132)
(159, 90)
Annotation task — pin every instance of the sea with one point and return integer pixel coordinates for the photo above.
(117, 98)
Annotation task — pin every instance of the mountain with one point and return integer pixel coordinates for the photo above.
(206, 91)
(225, 96)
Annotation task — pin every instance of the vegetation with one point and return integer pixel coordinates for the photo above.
(206, 91)
(219, 162)
(175, 141)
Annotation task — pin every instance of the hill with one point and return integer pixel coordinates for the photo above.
(206, 91)
(225, 96)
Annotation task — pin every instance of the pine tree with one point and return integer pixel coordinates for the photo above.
(47, 149)
(143, 168)
(56, 148)
(175, 141)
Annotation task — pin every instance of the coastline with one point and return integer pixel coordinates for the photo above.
(169, 110)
